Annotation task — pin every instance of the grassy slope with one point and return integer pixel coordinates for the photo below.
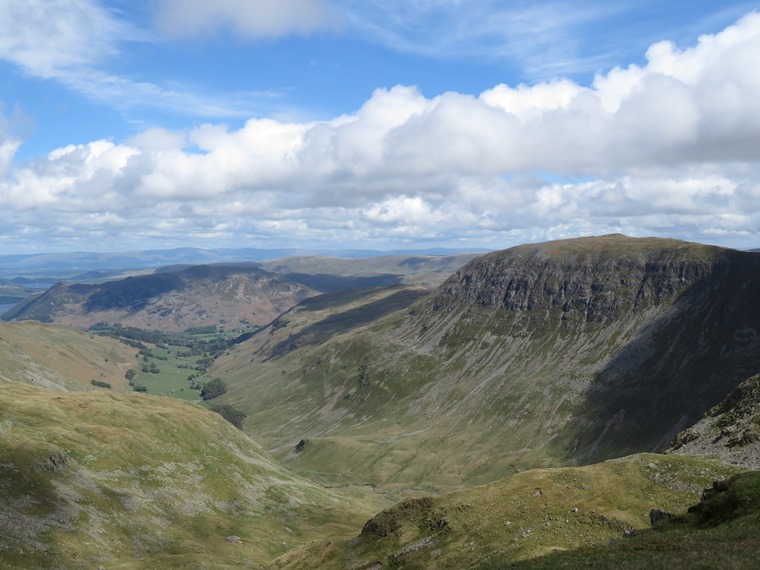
(529, 514)
(724, 532)
(138, 481)
(450, 392)
(266, 372)
(62, 358)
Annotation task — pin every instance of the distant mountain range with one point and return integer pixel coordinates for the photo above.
(68, 265)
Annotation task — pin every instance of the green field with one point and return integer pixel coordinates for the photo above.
(172, 364)
(175, 371)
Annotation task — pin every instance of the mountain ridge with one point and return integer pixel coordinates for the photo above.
(520, 359)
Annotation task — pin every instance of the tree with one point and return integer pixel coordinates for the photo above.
(232, 415)
(213, 389)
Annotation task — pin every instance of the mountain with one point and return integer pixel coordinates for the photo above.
(61, 358)
(464, 398)
(522, 517)
(196, 296)
(545, 354)
(730, 430)
(95, 479)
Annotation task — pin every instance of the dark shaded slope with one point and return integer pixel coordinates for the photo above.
(682, 364)
(131, 294)
(688, 316)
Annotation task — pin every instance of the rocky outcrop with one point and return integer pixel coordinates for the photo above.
(729, 499)
(653, 332)
(56, 461)
(730, 430)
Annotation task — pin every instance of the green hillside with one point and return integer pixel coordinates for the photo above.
(722, 531)
(135, 481)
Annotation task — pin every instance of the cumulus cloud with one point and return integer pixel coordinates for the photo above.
(246, 18)
(669, 147)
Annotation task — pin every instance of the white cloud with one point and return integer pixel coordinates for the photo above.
(670, 147)
(46, 37)
(246, 18)
(73, 41)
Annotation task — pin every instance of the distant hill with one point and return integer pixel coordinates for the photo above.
(183, 295)
(331, 274)
(197, 296)
(544, 354)
(12, 292)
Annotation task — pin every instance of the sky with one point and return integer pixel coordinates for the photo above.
(380, 124)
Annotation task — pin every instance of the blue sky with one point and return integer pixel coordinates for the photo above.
(376, 124)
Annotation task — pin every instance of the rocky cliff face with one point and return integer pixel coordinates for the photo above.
(587, 280)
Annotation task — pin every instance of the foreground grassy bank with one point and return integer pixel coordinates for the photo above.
(525, 516)
(133, 480)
